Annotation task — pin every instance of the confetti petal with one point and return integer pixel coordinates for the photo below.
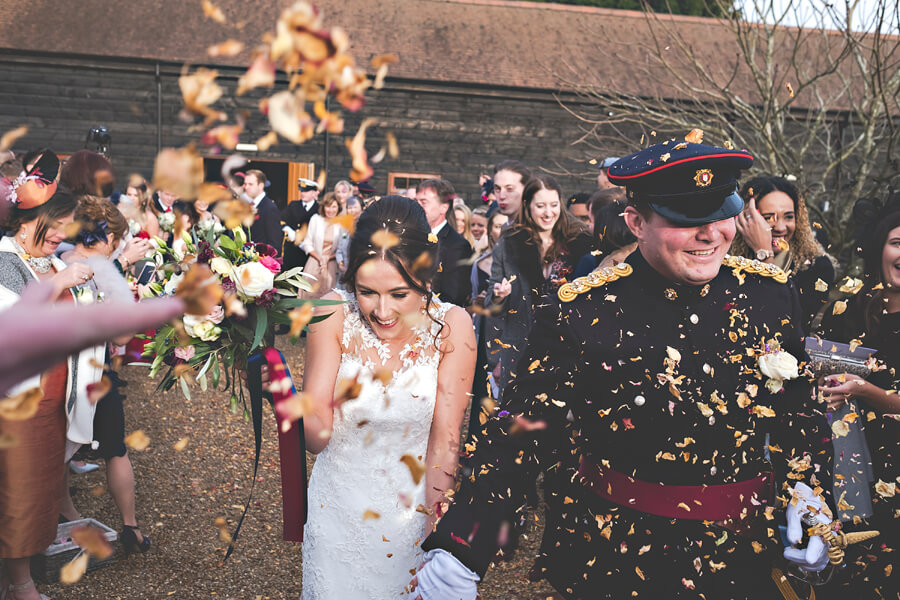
(227, 48)
(93, 540)
(137, 440)
(11, 137)
(74, 570)
(200, 289)
(415, 466)
(21, 407)
(211, 11)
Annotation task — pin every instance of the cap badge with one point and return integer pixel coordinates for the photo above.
(703, 177)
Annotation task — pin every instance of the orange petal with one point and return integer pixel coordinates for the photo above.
(92, 540)
(21, 407)
(10, 137)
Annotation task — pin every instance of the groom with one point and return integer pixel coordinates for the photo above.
(688, 440)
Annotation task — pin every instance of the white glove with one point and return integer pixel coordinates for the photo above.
(814, 557)
(290, 233)
(443, 577)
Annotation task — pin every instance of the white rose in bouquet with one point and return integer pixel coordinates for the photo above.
(252, 279)
(220, 265)
(207, 331)
(778, 366)
(190, 321)
(201, 327)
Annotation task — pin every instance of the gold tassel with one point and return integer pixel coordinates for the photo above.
(840, 540)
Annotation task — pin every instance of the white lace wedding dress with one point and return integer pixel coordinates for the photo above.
(363, 531)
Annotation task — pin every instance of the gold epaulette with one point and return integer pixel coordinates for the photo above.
(569, 291)
(756, 267)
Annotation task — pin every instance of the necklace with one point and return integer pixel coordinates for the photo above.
(40, 264)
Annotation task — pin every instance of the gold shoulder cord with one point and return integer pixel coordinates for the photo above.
(755, 267)
(600, 277)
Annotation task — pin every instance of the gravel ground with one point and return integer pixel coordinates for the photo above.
(181, 494)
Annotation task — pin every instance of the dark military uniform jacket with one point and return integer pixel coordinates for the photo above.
(659, 382)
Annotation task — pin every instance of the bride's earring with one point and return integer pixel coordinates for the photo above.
(23, 236)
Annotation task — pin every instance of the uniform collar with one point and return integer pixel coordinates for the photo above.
(657, 286)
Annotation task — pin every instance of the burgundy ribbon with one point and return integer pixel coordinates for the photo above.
(291, 444)
(291, 448)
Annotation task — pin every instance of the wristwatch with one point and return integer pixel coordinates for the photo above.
(763, 254)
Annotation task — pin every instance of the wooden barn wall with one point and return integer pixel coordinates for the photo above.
(455, 131)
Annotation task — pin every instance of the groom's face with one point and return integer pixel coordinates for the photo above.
(386, 301)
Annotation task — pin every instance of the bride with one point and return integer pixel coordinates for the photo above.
(399, 365)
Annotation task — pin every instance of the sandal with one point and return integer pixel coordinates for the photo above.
(21, 587)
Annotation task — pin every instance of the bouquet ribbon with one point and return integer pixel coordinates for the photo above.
(291, 443)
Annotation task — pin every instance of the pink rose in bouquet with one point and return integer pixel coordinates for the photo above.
(216, 315)
(185, 352)
(270, 263)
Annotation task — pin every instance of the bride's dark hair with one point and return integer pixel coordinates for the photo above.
(395, 229)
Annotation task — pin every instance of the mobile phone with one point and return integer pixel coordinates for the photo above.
(147, 273)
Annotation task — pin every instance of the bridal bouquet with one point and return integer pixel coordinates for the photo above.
(235, 291)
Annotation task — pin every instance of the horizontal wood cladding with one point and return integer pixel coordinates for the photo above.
(456, 130)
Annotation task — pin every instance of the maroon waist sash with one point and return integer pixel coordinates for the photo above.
(698, 502)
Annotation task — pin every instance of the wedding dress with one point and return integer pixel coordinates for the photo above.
(363, 531)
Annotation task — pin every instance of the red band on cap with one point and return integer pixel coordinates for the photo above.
(683, 160)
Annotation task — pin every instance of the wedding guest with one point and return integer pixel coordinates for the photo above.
(343, 190)
(88, 173)
(137, 204)
(579, 207)
(481, 268)
(510, 177)
(463, 223)
(412, 357)
(451, 283)
(534, 257)
(482, 385)
(295, 221)
(102, 228)
(354, 209)
(872, 317)
(774, 228)
(613, 241)
(32, 470)
(266, 227)
(479, 229)
(321, 244)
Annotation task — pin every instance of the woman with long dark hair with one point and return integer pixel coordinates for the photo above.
(774, 228)
(387, 379)
(535, 256)
(872, 318)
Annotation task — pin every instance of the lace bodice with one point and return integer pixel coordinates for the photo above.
(348, 551)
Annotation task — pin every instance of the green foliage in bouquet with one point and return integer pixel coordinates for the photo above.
(243, 294)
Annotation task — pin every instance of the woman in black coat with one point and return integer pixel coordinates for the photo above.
(872, 317)
(534, 257)
(774, 228)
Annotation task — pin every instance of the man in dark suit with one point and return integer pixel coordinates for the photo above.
(266, 228)
(452, 283)
(295, 218)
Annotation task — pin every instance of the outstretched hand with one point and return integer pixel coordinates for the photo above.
(37, 333)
